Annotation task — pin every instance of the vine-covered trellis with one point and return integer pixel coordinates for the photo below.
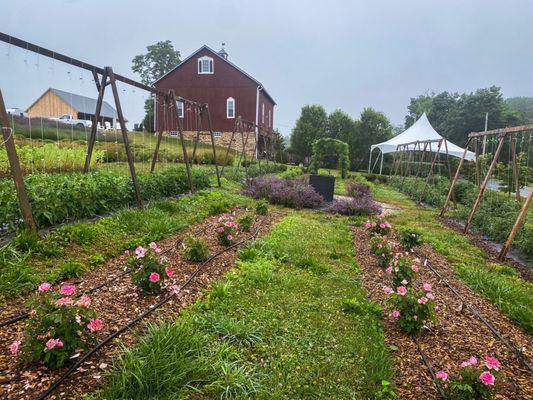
(328, 150)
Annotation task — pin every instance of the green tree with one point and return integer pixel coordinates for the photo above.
(340, 126)
(159, 59)
(278, 144)
(311, 125)
(373, 127)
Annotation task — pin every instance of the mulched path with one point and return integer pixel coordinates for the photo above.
(116, 304)
(457, 336)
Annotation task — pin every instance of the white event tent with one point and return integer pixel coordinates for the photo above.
(421, 130)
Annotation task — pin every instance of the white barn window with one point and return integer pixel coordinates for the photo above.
(180, 109)
(270, 118)
(230, 107)
(263, 114)
(205, 65)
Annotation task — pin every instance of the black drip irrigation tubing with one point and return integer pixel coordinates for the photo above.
(147, 312)
(20, 317)
(474, 311)
(426, 362)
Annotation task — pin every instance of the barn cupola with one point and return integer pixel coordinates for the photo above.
(222, 52)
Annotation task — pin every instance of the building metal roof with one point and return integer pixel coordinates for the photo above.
(85, 105)
(205, 47)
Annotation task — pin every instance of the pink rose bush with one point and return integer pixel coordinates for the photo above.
(412, 308)
(378, 226)
(58, 326)
(151, 271)
(382, 250)
(226, 230)
(403, 271)
(473, 380)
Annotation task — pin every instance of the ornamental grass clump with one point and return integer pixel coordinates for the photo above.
(412, 308)
(292, 193)
(378, 226)
(473, 380)
(58, 326)
(403, 271)
(151, 270)
(382, 250)
(226, 230)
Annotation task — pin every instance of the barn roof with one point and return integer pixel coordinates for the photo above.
(85, 104)
(205, 47)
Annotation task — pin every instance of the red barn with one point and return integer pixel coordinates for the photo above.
(209, 77)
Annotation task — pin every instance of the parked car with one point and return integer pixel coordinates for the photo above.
(69, 120)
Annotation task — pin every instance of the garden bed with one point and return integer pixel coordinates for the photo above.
(457, 335)
(116, 304)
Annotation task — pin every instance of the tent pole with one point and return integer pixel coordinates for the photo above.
(381, 164)
(370, 160)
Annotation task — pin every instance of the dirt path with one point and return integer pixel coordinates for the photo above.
(456, 336)
(116, 304)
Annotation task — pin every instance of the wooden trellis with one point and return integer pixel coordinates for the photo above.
(501, 134)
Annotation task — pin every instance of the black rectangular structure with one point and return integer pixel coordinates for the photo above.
(324, 185)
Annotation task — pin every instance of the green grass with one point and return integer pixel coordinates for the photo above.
(29, 260)
(277, 328)
(498, 283)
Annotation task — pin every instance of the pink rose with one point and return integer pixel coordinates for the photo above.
(382, 226)
(127, 253)
(220, 230)
(51, 343)
(229, 224)
(472, 360)
(389, 270)
(395, 314)
(387, 289)
(427, 287)
(464, 364)
(404, 282)
(229, 237)
(169, 271)
(140, 252)
(374, 224)
(415, 317)
(84, 301)
(368, 225)
(422, 300)
(430, 296)
(492, 363)
(44, 287)
(95, 325)
(154, 277)
(401, 290)
(63, 301)
(414, 268)
(14, 347)
(487, 378)
(67, 289)
(153, 245)
(442, 375)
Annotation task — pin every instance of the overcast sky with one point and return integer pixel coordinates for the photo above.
(341, 54)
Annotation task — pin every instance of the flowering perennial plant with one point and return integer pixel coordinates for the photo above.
(382, 250)
(409, 238)
(150, 269)
(475, 379)
(59, 326)
(226, 230)
(378, 226)
(403, 271)
(412, 308)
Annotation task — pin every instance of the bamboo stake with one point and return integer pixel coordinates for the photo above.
(515, 169)
(421, 161)
(516, 227)
(94, 127)
(210, 126)
(159, 134)
(484, 184)
(237, 122)
(182, 140)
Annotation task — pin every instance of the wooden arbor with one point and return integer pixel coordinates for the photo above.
(501, 134)
(170, 102)
(409, 151)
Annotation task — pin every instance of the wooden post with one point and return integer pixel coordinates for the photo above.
(478, 166)
(122, 121)
(430, 173)
(454, 181)
(515, 168)
(449, 170)
(210, 125)
(421, 162)
(94, 129)
(516, 227)
(237, 122)
(408, 166)
(16, 171)
(199, 119)
(183, 147)
(484, 184)
(159, 133)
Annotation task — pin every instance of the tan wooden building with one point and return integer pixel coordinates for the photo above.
(54, 103)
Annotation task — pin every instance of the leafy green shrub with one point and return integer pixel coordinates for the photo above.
(69, 269)
(378, 226)
(412, 308)
(58, 327)
(226, 230)
(96, 259)
(403, 271)
(219, 208)
(245, 222)
(261, 207)
(382, 250)
(150, 272)
(376, 178)
(409, 237)
(195, 249)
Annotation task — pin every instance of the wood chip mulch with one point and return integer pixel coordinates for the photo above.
(457, 335)
(118, 303)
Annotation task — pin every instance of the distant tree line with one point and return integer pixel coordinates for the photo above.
(314, 123)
